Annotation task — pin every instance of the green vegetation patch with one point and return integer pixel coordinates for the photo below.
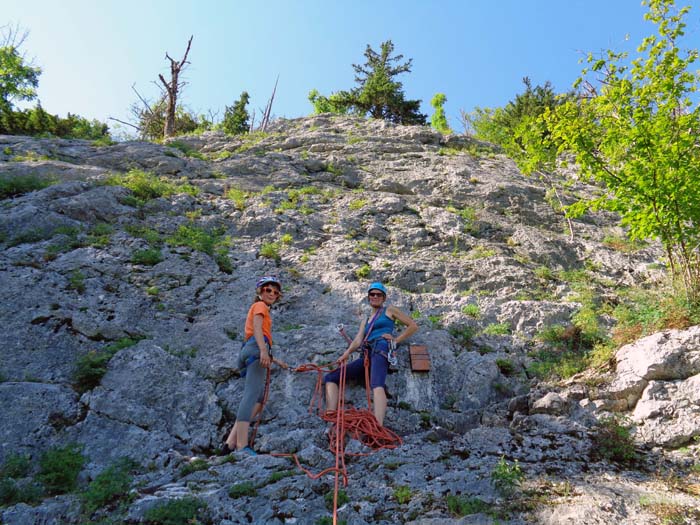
(109, 487)
(460, 506)
(242, 489)
(507, 477)
(91, 367)
(179, 512)
(59, 468)
(146, 186)
(16, 185)
(212, 242)
(612, 440)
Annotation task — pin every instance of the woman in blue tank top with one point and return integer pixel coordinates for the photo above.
(375, 334)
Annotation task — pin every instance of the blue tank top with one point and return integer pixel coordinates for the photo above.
(383, 325)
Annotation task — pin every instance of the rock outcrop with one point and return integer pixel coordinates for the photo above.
(468, 246)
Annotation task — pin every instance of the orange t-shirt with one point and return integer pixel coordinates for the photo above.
(259, 308)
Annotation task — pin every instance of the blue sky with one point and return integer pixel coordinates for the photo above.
(475, 51)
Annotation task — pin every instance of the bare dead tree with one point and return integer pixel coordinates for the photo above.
(465, 121)
(268, 108)
(172, 89)
(252, 122)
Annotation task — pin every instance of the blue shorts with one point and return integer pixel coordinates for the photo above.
(378, 366)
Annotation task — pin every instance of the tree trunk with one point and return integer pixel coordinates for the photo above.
(172, 89)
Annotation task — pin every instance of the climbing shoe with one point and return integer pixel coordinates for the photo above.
(225, 450)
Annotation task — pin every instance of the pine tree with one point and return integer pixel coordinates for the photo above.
(236, 117)
(378, 94)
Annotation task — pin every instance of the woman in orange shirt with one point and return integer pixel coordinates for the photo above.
(254, 359)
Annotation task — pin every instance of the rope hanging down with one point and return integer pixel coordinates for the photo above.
(359, 424)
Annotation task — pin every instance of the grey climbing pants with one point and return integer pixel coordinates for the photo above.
(255, 376)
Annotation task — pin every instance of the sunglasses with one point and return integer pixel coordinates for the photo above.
(375, 294)
(271, 290)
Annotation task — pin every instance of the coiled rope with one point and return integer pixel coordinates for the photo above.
(359, 424)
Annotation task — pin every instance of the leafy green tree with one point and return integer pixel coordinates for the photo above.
(236, 117)
(18, 80)
(519, 130)
(36, 121)
(377, 94)
(515, 127)
(634, 131)
(439, 120)
(339, 102)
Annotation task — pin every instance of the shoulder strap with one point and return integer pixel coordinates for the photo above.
(371, 323)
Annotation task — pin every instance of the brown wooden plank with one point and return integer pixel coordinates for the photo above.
(420, 359)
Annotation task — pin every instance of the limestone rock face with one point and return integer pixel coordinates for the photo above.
(664, 356)
(468, 247)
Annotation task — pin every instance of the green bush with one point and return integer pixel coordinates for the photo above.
(402, 494)
(194, 237)
(36, 121)
(555, 364)
(15, 466)
(59, 468)
(90, 367)
(149, 256)
(194, 466)
(641, 312)
(179, 512)
(76, 281)
(186, 149)
(363, 271)
(464, 333)
(151, 236)
(146, 186)
(89, 370)
(13, 489)
(109, 486)
(271, 250)
(612, 440)
(357, 204)
(276, 476)
(238, 196)
(472, 310)
(506, 366)
(507, 477)
(19, 491)
(245, 488)
(497, 329)
(14, 186)
(460, 506)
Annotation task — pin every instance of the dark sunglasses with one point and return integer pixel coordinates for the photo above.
(375, 294)
(269, 289)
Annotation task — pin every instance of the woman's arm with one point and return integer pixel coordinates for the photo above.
(356, 343)
(260, 339)
(411, 327)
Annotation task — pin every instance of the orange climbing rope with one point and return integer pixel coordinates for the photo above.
(359, 424)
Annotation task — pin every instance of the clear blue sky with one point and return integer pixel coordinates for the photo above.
(474, 51)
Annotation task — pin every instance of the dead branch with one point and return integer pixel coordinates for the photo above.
(125, 123)
(268, 108)
(172, 89)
